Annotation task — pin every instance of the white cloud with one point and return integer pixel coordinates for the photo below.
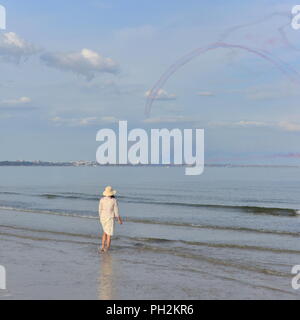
(109, 119)
(283, 125)
(83, 122)
(73, 122)
(161, 95)
(86, 62)
(174, 119)
(241, 124)
(244, 123)
(15, 102)
(205, 94)
(14, 49)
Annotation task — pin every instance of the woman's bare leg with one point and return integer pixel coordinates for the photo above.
(108, 241)
(103, 241)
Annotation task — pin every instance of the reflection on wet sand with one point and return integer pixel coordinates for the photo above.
(107, 274)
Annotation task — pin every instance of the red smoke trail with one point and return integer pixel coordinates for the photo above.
(281, 29)
(288, 15)
(286, 65)
(283, 67)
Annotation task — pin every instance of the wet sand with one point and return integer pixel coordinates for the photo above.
(43, 265)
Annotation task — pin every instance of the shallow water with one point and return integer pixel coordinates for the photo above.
(240, 224)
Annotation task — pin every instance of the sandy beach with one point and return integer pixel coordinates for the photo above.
(54, 265)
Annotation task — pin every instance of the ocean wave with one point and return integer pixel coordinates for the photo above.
(248, 209)
(48, 212)
(94, 216)
(217, 245)
(143, 200)
(149, 245)
(215, 227)
(90, 197)
(141, 241)
(73, 196)
(262, 210)
(10, 193)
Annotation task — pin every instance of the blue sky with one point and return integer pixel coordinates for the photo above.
(70, 68)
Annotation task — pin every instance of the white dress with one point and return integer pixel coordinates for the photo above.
(108, 210)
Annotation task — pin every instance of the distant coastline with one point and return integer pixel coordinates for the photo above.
(84, 163)
(38, 163)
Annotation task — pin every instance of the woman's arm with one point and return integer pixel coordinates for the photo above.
(116, 211)
(120, 220)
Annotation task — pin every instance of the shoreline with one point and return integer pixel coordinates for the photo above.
(53, 266)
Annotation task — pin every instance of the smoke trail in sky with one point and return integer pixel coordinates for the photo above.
(288, 15)
(280, 30)
(278, 63)
(282, 66)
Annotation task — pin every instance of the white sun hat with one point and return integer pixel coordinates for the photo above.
(108, 192)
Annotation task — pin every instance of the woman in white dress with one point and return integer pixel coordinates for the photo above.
(108, 212)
